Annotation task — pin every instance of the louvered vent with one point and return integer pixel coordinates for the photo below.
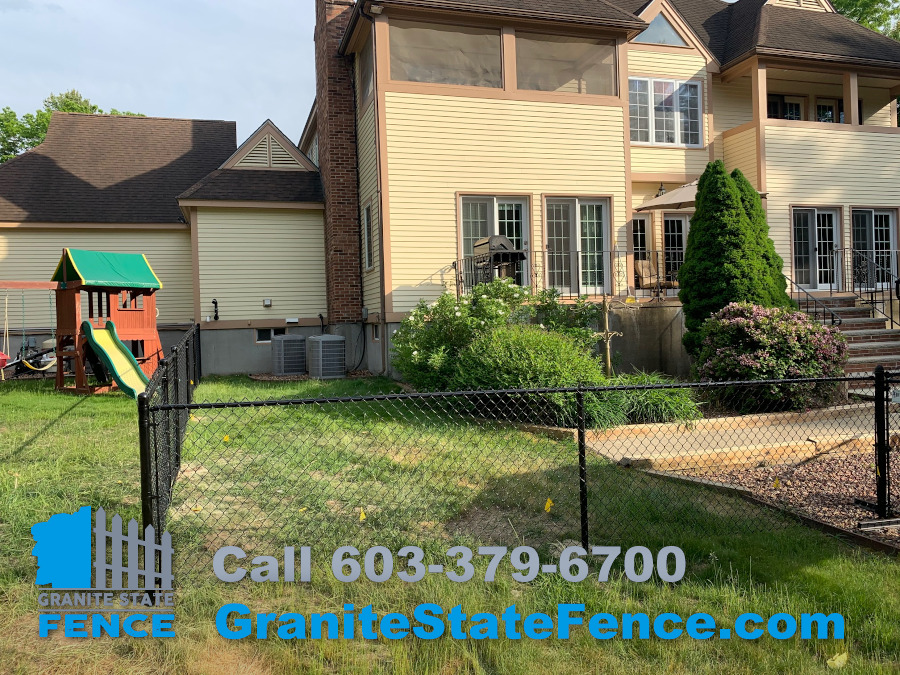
(289, 355)
(326, 357)
(281, 158)
(258, 156)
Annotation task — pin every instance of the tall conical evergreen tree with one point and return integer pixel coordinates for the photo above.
(723, 262)
(774, 264)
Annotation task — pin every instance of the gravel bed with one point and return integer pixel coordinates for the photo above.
(823, 488)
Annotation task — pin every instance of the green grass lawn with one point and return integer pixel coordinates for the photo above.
(284, 475)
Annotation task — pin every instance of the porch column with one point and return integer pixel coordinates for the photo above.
(760, 91)
(851, 99)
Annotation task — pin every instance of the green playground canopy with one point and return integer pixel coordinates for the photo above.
(98, 268)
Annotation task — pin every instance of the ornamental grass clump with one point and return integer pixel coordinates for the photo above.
(747, 342)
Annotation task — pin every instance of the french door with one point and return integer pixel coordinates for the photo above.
(873, 238)
(675, 229)
(486, 216)
(815, 242)
(578, 262)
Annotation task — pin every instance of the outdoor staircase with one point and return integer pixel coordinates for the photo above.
(870, 340)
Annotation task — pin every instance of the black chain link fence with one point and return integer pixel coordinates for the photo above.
(162, 432)
(516, 467)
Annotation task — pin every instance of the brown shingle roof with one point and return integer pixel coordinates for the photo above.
(110, 169)
(261, 185)
(732, 31)
(604, 12)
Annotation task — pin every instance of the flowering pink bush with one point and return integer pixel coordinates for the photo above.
(748, 342)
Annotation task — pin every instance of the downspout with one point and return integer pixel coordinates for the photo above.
(362, 266)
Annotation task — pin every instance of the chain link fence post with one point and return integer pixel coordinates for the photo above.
(582, 468)
(882, 444)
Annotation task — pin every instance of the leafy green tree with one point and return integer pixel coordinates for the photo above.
(752, 203)
(880, 15)
(18, 134)
(724, 261)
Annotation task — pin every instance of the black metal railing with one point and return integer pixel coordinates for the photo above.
(871, 276)
(812, 305)
(576, 273)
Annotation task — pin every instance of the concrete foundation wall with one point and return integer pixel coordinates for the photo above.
(651, 340)
(236, 352)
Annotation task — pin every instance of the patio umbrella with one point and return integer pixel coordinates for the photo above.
(679, 198)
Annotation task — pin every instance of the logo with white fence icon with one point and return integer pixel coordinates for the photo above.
(93, 570)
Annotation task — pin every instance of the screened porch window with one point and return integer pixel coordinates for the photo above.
(565, 64)
(424, 52)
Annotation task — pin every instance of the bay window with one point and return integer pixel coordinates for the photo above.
(665, 112)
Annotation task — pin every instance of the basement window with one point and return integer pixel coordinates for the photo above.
(264, 335)
(424, 52)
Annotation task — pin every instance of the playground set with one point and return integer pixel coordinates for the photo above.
(116, 336)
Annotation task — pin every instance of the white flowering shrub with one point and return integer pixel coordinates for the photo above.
(429, 340)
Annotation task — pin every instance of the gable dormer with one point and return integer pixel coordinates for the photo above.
(812, 5)
(269, 148)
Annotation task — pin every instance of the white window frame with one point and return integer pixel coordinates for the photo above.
(272, 333)
(494, 218)
(368, 246)
(678, 114)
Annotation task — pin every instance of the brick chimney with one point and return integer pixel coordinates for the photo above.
(337, 162)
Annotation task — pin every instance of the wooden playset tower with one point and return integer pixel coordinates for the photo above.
(100, 287)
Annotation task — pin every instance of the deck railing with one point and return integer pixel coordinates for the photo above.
(644, 274)
(871, 275)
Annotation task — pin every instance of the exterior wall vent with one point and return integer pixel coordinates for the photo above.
(326, 356)
(289, 355)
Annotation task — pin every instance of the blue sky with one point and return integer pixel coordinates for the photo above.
(243, 60)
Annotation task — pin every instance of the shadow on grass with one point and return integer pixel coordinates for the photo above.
(48, 428)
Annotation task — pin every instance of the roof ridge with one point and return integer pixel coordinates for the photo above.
(141, 117)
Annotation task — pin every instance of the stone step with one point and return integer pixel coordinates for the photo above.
(848, 325)
(867, 364)
(864, 336)
(842, 300)
(875, 349)
(853, 312)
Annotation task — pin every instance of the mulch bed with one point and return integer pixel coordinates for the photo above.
(823, 488)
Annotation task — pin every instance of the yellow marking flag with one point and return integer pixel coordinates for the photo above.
(548, 505)
(362, 515)
(838, 661)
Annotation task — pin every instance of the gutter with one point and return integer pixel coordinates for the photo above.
(811, 56)
(633, 26)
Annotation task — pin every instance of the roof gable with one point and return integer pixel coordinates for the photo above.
(811, 5)
(268, 148)
(661, 32)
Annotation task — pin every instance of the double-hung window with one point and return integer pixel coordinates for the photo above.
(665, 112)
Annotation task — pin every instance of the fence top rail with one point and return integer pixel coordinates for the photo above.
(443, 395)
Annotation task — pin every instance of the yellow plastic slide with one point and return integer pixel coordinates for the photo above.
(117, 358)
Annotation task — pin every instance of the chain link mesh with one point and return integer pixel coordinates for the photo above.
(504, 467)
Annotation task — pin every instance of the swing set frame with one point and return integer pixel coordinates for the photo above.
(23, 358)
